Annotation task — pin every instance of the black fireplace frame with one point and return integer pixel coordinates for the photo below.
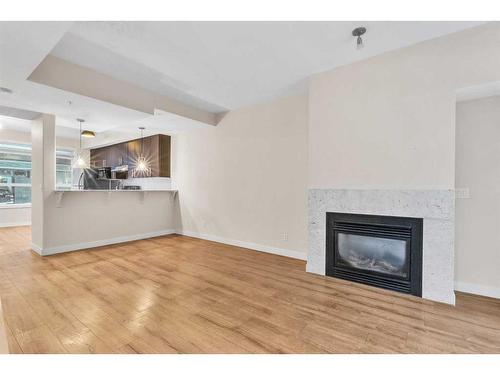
(395, 227)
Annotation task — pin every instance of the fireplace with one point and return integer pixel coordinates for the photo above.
(382, 251)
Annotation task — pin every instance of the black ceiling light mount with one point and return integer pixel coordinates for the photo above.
(358, 32)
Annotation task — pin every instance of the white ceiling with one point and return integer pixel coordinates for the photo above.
(23, 45)
(12, 123)
(216, 66)
(24, 126)
(226, 65)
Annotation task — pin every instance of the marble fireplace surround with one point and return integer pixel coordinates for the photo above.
(436, 207)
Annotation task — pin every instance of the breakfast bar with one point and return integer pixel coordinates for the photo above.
(120, 192)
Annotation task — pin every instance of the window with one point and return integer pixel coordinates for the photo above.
(64, 170)
(15, 172)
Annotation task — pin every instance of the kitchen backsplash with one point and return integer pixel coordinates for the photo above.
(150, 183)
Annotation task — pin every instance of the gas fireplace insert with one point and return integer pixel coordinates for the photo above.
(382, 251)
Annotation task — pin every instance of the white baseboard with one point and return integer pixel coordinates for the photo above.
(209, 237)
(36, 249)
(109, 241)
(15, 224)
(252, 246)
(482, 290)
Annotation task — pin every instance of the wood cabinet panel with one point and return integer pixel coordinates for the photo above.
(116, 154)
(151, 153)
(98, 157)
(155, 148)
(164, 155)
(133, 151)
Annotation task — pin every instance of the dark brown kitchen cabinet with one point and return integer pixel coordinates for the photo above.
(156, 150)
(98, 157)
(116, 154)
(164, 155)
(133, 151)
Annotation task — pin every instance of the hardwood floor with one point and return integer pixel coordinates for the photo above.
(178, 294)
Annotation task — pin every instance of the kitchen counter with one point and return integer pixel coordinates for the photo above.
(143, 193)
(82, 219)
(111, 190)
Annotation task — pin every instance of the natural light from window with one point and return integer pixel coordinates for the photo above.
(15, 172)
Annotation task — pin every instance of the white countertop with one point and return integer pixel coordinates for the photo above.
(112, 190)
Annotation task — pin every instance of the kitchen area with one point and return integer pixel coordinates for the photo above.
(138, 164)
(121, 192)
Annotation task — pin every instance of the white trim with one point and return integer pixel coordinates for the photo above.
(15, 184)
(14, 205)
(252, 246)
(15, 224)
(248, 245)
(482, 290)
(88, 245)
(36, 249)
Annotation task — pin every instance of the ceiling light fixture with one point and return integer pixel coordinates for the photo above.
(358, 31)
(88, 134)
(142, 168)
(79, 160)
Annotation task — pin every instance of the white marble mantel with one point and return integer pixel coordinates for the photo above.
(436, 207)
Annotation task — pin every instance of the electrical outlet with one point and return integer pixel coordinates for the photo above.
(462, 193)
(284, 236)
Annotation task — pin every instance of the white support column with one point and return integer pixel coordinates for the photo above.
(43, 174)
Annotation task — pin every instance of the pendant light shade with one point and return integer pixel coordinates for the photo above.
(79, 160)
(142, 168)
(87, 134)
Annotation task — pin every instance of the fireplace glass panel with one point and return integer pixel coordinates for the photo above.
(383, 255)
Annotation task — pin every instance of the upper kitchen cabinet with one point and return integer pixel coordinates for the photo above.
(133, 149)
(164, 155)
(156, 150)
(116, 155)
(98, 157)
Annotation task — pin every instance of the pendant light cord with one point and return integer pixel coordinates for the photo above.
(142, 142)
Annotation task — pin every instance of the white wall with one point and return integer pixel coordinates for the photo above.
(388, 122)
(477, 263)
(21, 215)
(88, 219)
(15, 216)
(244, 181)
(43, 175)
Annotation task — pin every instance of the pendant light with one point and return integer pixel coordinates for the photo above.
(358, 31)
(142, 168)
(80, 161)
(87, 134)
